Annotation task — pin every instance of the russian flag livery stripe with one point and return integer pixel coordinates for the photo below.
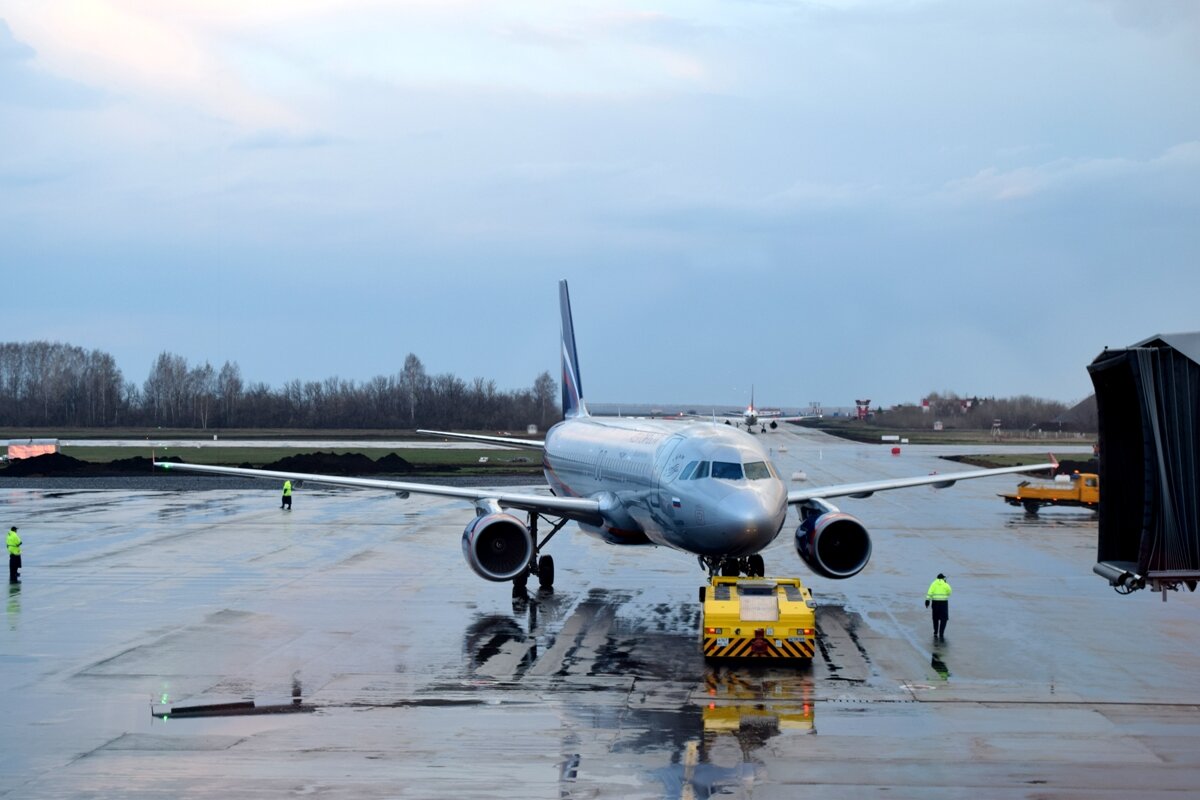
(572, 388)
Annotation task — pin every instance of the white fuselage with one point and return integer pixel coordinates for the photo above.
(700, 488)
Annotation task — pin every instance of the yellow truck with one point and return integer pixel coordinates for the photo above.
(757, 618)
(1081, 489)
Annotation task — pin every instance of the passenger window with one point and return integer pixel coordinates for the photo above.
(701, 471)
(686, 475)
(757, 470)
(727, 470)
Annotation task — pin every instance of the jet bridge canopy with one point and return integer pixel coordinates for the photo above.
(1148, 401)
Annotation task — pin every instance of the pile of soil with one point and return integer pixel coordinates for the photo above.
(58, 465)
(52, 464)
(1065, 466)
(341, 464)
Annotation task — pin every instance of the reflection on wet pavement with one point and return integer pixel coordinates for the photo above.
(13, 606)
(939, 666)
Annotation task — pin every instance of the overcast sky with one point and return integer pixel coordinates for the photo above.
(829, 200)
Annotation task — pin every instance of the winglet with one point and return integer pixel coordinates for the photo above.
(572, 388)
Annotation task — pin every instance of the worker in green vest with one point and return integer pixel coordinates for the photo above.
(287, 495)
(938, 598)
(14, 555)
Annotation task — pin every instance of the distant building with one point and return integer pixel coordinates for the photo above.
(28, 448)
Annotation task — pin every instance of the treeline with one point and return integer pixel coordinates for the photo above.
(50, 384)
(1021, 413)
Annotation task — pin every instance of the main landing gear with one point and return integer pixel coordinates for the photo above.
(733, 566)
(540, 566)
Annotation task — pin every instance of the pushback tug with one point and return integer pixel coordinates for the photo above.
(757, 618)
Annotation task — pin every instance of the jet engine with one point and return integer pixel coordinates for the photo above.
(832, 543)
(497, 546)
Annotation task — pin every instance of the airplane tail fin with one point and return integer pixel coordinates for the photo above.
(572, 389)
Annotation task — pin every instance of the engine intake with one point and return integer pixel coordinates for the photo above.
(497, 546)
(833, 544)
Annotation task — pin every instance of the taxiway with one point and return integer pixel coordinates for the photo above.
(396, 672)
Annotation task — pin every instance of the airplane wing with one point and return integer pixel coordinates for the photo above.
(937, 481)
(530, 444)
(576, 508)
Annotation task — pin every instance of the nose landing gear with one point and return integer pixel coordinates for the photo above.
(751, 566)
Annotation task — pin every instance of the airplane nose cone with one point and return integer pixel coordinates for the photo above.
(748, 516)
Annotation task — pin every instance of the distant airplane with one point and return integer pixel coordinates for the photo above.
(753, 416)
(707, 490)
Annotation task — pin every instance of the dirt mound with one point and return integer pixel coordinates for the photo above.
(1065, 466)
(1068, 467)
(340, 464)
(48, 464)
(57, 464)
(128, 465)
(393, 464)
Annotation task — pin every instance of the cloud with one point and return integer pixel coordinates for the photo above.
(1068, 174)
(139, 51)
(1157, 17)
(10, 49)
(22, 84)
(286, 140)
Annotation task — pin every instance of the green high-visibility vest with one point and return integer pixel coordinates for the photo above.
(938, 590)
(287, 488)
(14, 542)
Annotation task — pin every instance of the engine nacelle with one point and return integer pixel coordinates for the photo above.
(497, 546)
(833, 544)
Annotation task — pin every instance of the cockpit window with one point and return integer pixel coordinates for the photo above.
(728, 470)
(686, 475)
(701, 471)
(757, 470)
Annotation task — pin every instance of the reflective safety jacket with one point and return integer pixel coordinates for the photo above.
(14, 542)
(938, 590)
(287, 488)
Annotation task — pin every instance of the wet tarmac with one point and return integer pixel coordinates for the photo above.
(417, 679)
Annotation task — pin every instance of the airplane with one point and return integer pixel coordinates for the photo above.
(709, 491)
(753, 416)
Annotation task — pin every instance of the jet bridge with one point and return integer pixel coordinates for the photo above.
(1148, 400)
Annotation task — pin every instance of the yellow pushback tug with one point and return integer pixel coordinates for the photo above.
(757, 618)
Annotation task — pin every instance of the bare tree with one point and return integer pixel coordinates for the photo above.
(202, 389)
(229, 392)
(413, 382)
(544, 390)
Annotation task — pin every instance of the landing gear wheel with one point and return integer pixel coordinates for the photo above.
(521, 581)
(731, 568)
(755, 567)
(545, 572)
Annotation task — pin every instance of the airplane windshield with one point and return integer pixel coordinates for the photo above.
(757, 470)
(727, 470)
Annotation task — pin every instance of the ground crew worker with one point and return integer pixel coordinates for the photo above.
(287, 495)
(938, 597)
(14, 555)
